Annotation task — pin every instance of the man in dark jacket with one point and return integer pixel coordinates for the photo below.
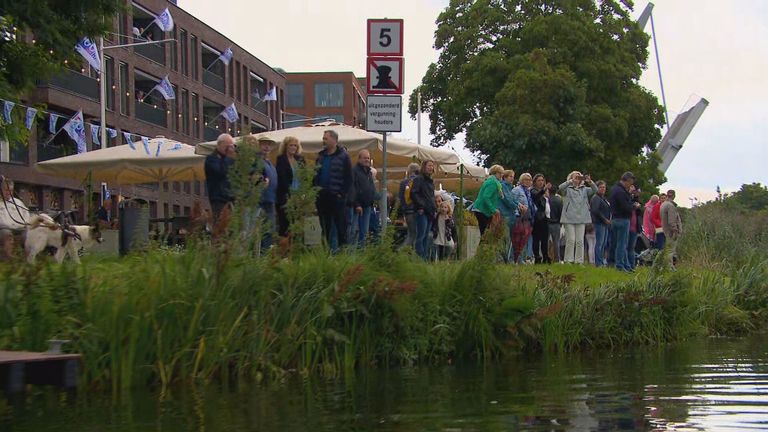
(334, 175)
(553, 226)
(269, 194)
(362, 195)
(407, 209)
(423, 196)
(216, 170)
(621, 213)
(540, 232)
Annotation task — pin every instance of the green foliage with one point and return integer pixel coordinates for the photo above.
(749, 197)
(545, 86)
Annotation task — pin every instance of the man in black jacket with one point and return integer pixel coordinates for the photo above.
(423, 197)
(553, 225)
(621, 213)
(362, 195)
(334, 175)
(217, 166)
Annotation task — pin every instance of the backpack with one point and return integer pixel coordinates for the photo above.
(407, 193)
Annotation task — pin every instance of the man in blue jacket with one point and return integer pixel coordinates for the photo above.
(269, 194)
(334, 175)
(217, 166)
(621, 213)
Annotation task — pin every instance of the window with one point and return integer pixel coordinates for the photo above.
(293, 120)
(187, 187)
(193, 57)
(174, 51)
(238, 86)
(196, 115)
(184, 48)
(329, 95)
(175, 114)
(185, 110)
(109, 73)
(257, 127)
(125, 92)
(122, 28)
(16, 152)
(51, 147)
(215, 70)
(338, 118)
(294, 96)
(143, 20)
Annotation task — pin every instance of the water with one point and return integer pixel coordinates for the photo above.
(707, 384)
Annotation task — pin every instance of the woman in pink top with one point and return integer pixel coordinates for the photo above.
(649, 230)
(659, 241)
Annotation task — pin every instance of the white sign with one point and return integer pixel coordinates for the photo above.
(384, 113)
(385, 37)
(385, 75)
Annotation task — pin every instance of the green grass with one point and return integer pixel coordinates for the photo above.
(214, 313)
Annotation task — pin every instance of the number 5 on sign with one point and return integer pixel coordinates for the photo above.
(385, 37)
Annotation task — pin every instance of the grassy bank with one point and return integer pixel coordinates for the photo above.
(209, 313)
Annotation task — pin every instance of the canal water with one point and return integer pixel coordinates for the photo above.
(704, 384)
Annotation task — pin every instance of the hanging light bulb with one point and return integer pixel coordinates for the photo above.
(66, 61)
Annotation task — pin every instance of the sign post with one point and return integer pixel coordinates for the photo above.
(384, 71)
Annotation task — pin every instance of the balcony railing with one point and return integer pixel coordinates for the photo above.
(258, 104)
(77, 83)
(155, 52)
(150, 114)
(211, 134)
(213, 81)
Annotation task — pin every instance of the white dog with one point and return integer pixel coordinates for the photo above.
(43, 231)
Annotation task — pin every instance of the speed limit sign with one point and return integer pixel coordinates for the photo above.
(385, 37)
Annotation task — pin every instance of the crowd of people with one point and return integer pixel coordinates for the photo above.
(606, 223)
(541, 222)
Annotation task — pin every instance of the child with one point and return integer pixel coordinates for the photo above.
(443, 231)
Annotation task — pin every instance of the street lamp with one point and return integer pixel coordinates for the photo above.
(103, 81)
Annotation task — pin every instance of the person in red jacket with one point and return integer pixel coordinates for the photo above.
(656, 219)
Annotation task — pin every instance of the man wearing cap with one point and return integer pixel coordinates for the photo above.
(217, 166)
(621, 214)
(671, 224)
(333, 177)
(269, 194)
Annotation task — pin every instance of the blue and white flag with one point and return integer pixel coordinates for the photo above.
(75, 128)
(95, 134)
(176, 147)
(112, 133)
(52, 120)
(127, 136)
(90, 53)
(145, 141)
(159, 147)
(7, 108)
(230, 113)
(166, 89)
(271, 94)
(29, 119)
(165, 21)
(226, 56)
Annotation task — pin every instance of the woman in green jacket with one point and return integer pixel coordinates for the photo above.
(489, 198)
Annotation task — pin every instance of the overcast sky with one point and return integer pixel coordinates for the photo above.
(713, 49)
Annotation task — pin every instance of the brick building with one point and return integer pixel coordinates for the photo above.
(203, 87)
(324, 95)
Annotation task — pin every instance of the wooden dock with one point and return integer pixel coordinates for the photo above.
(19, 368)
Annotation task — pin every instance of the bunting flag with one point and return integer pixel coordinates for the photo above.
(271, 94)
(90, 53)
(7, 108)
(175, 147)
(112, 133)
(159, 147)
(230, 113)
(75, 128)
(226, 56)
(95, 135)
(29, 119)
(128, 139)
(145, 141)
(165, 88)
(52, 120)
(165, 20)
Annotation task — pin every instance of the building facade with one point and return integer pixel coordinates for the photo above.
(311, 97)
(203, 86)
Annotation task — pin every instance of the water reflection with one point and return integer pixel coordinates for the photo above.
(700, 385)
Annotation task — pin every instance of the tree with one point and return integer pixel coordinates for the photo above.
(38, 37)
(545, 85)
(749, 197)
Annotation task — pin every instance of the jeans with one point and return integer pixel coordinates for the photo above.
(660, 241)
(620, 229)
(410, 222)
(601, 241)
(331, 211)
(268, 213)
(423, 233)
(631, 244)
(360, 224)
